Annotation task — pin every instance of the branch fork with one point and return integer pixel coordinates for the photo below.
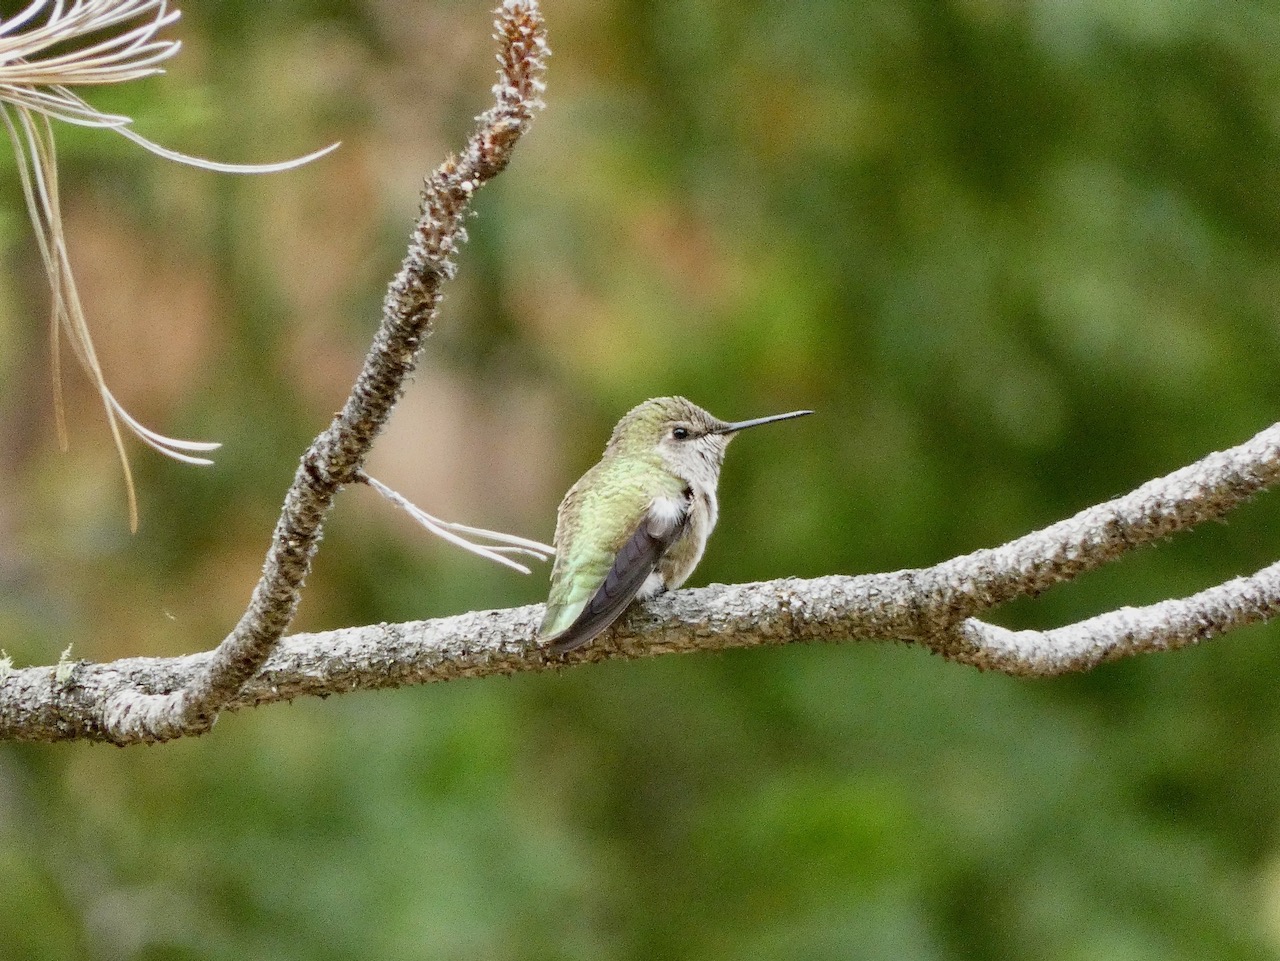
(337, 455)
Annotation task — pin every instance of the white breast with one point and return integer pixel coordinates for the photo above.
(664, 514)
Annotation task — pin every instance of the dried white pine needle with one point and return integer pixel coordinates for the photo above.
(96, 42)
(501, 545)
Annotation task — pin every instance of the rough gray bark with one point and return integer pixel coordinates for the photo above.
(934, 607)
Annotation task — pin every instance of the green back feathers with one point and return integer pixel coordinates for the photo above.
(598, 515)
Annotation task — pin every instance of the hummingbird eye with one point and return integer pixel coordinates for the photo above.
(680, 433)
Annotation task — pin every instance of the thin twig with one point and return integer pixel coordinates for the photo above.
(338, 453)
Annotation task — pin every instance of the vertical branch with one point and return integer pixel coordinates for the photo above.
(337, 455)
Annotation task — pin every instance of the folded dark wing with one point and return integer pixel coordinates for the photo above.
(658, 529)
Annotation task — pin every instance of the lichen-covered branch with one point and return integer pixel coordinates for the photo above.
(935, 607)
(336, 456)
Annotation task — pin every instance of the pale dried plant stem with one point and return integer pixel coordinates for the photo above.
(933, 607)
(40, 189)
(463, 535)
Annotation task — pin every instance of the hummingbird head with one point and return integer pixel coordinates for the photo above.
(689, 440)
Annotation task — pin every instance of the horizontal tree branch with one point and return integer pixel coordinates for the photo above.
(934, 607)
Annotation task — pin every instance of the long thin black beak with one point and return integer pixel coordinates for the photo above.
(744, 424)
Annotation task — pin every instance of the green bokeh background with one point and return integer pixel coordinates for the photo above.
(1020, 256)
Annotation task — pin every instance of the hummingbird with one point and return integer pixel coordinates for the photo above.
(636, 524)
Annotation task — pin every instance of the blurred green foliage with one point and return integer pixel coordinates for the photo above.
(1020, 256)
